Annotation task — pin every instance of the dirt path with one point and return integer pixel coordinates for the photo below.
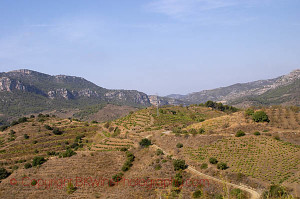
(254, 194)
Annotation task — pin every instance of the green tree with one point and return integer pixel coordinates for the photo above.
(260, 116)
(145, 142)
(179, 164)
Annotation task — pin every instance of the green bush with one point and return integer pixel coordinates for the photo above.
(56, 131)
(260, 116)
(159, 152)
(33, 182)
(240, 133)
(68, 153)
(3, 127)
(117, 177)
(26, 136)
(4, 173)
(249, 112)
(38, 160)
(222, 166)
(276, 137)
(178, 180)
(275, 191)
(71, 188)
(145, 142)
(48, 127)
(179, 145)
(157, 167)
(124, 149)
(197, 194)
(213, 160)
(256, 133)
(179, 164)
(237, 193)
(27, 165)
(204, 166)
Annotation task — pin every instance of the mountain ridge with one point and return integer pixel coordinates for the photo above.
(232, 93)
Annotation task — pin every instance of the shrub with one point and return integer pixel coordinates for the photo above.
(33, 182)
(178, 180)
(159, 152)
(237, 193)
(26, 136)
(197, 194)
(3, 173)
(145, 142)
(68, 153)
(50, 153)
(249, 112)
(222, 166)
(276, 137)
(27, 165)
(13, 123)
(260, 116)
(117, 177)
(256, 133)
(22, 120)
(204, 166)
(3, 127)
(157, 167)
(179, 164)
(213, 160)
(48, 127)
(38, 160)
(275, 191)
(34, 142)
(240, 133)
(56, 131)
(71, 188)
(124, 149)
(110, 129)
(179, 145)
(106, 125)
(94, 122)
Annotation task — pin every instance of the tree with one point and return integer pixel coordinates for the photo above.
(68, 153)
(38, 160)
(26, 136)
(256, 133)
(213, 160)
(260, 116)
(145, 142)
(56, 131)
(222, 166)
(179, 164)
(240, 133)
(27, 165)
(3, 173)
(249, 112)
(197, 194)
(179, 145)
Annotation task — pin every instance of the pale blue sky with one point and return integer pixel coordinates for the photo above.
(154, 46)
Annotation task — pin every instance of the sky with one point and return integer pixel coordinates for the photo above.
(154, 46)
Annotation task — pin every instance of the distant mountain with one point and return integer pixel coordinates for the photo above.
(25, 91)
(280, 90)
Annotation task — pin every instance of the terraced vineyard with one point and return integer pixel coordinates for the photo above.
(16, 149)
(284, 118)
(261, 157)
(136, 121)
(112, 144)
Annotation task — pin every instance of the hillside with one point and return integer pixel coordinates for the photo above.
(280, 90)
(192, 133)
(25, 92)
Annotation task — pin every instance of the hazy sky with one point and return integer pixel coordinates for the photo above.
(154, 46)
